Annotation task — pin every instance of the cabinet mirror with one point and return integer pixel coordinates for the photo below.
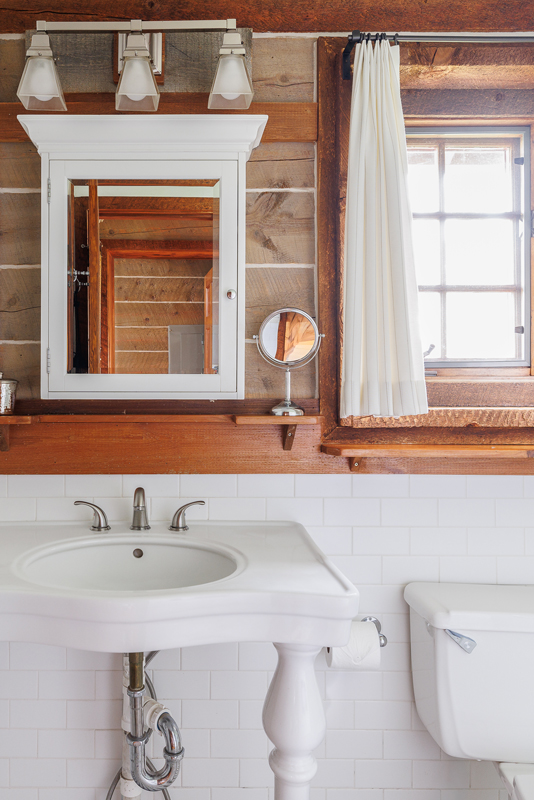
(143, 254)
(143, 277)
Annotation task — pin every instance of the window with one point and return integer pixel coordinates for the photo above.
(469, 189)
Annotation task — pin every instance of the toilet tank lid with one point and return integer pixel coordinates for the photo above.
(473, 606)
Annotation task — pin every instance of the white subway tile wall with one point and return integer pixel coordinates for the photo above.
(60, 709)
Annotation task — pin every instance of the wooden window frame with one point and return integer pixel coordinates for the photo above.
(464, 406)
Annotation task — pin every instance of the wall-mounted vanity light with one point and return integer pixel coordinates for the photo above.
(40, 89)
(137, 89)
(232, 87)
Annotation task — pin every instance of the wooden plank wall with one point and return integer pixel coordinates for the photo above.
(280, 202)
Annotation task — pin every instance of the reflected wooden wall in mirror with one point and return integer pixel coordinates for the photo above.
(143, 276)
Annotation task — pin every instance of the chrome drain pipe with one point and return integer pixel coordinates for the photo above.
(144, 776)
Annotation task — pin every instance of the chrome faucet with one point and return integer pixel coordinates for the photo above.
(100, 521)
(178, 521)
(140, 519)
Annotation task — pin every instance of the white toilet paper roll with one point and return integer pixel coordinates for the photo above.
(361, 652)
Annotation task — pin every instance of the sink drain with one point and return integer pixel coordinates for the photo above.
(138, 553)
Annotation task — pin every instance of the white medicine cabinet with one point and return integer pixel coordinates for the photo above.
(143, 254)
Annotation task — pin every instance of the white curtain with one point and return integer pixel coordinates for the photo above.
(383, 370)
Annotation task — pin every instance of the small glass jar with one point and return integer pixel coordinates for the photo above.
(8, 390)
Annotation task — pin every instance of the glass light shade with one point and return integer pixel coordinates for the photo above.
(39, 88)
(232, 87)
(137, 89)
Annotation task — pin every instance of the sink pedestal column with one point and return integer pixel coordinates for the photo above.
(293, 718)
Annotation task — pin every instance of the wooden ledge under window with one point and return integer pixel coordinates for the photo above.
(5, 423)
(356, 452)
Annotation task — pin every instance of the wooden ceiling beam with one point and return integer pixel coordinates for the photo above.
(17, 16)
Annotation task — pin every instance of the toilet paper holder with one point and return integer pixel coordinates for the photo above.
(381, 638)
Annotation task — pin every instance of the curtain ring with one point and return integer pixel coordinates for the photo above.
(396, 39)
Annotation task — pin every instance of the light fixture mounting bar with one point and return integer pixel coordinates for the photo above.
(151, 25)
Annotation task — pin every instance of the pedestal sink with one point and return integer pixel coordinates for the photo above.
(223, 582)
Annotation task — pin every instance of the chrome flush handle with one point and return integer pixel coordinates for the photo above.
(100, 521)
(178, 521)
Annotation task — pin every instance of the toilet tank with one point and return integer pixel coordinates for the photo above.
(478, 704)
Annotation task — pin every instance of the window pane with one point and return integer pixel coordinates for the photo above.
(479, 251)
(430, 323)
(480, 325)
(423, 179)
(477, 180)
(426, 251)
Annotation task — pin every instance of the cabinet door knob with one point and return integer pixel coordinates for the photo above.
(231, 294)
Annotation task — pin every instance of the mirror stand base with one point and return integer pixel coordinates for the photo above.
(287, 408)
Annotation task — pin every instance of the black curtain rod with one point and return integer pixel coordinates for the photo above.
(357, 37)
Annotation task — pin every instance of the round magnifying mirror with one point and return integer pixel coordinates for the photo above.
(288, 338)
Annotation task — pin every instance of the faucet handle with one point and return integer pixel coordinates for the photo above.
(100, 521)
(178, 521)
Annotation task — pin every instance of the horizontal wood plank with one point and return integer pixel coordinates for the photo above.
(442, 466)
(283, 69)
(453, 66)
(20, 165)
(264, 380)
(298, 16)
(489, 392)
(8, 419)
(12, 57)
(163, 448)
(276, 420)
(21, 362)
(123, 408)
(450, 418)
(155, 229)
(163, 290)
(280, 228)
(464, 103)
(430, 451)
(20, 304)
(269, 288)
(180, 249)
(288, 122)
(141, 363)
(152, 315)
(282, 165)
(142, 339)
(116, 419)
(20, 228)
(175, 267)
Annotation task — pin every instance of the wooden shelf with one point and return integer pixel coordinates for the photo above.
(271, 419)
(356, 452)
(192, 419)
(289, 424)
(6, 420)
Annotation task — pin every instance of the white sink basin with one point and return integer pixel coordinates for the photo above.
(223, 582)
(125, 563)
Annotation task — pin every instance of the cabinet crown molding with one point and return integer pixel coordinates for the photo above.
(225, 134)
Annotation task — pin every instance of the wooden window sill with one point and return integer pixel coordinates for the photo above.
(447, 417)
(355, 453)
